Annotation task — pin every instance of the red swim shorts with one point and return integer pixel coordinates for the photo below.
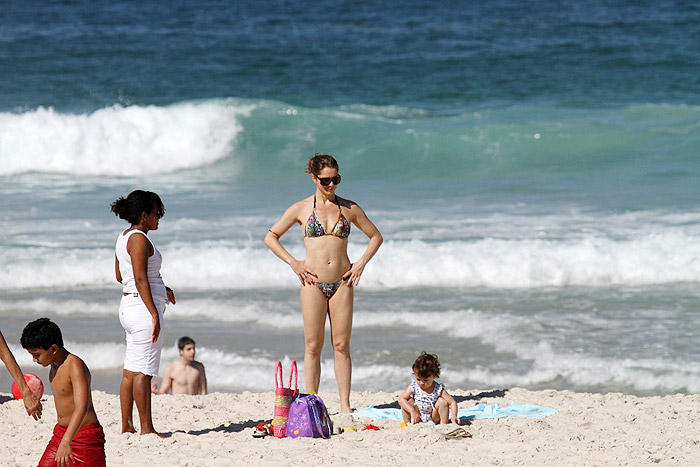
(88, 447)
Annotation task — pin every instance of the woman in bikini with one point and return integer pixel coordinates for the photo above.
(327, 276)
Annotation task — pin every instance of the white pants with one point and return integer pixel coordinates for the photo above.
(142, 355)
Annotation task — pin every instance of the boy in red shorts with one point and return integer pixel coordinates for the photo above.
(77, 437)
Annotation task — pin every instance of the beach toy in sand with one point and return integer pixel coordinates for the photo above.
(457, 433)
(34, 383)
(403, 425)
(370, 427)
(350, 428)
(262, 429)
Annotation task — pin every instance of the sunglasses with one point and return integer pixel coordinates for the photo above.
(327, 181)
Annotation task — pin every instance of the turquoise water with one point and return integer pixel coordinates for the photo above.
(531, 165)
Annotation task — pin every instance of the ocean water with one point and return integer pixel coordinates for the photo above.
(533, 167)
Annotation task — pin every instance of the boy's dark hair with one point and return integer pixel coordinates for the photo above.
(41, 334)
(427, 365)
(183, 341)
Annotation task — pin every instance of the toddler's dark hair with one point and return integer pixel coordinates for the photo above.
(427, 365)
(137, 202)
(183, 341)
(41, 334)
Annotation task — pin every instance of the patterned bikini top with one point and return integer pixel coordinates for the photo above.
(314, 228)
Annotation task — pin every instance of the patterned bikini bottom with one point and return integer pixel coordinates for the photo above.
(329, 288)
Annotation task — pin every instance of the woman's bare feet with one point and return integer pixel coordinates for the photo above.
(160, 435)
(128, 428)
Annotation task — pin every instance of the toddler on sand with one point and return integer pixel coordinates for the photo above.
(425, 399)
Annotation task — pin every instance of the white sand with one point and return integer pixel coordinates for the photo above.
(216, 430)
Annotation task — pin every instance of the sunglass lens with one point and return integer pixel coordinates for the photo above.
(327, 180)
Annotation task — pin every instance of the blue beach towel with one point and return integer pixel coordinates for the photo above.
(478, 412)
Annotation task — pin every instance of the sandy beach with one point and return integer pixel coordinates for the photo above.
(216, 430)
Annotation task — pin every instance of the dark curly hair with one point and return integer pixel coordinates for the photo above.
(319, 162)
(41, 334)
(427, 365)
(137, 202)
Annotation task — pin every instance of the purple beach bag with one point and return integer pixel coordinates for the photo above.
(309, 418)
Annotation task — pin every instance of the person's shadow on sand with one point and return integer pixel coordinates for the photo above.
(481, 395)
(238, 427)
(230, 428)
(458, 399)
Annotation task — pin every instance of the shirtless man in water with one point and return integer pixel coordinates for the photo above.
(185, 375)
(78, 439)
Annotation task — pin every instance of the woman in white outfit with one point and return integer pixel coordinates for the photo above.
(137, 267)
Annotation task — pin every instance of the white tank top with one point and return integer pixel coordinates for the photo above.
(127, 270)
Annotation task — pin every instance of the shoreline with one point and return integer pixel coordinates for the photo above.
(216, 430)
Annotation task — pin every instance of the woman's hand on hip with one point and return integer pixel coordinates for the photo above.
(305, 275)
(352, 275)
(171, 295)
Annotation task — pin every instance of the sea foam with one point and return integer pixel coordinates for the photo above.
(529, 139)
(117, 140)
(589, 260)
(547, 367)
